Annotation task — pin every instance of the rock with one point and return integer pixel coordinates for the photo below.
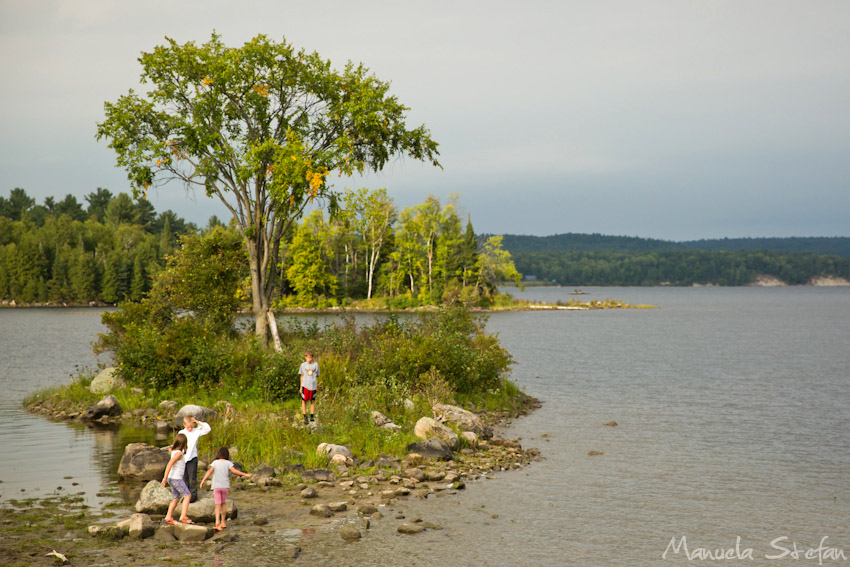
(435, 476)
(203, 509)
(106, 381)
(427, 428)
(333, 450)
(291, 552)
(432, 448)
(380, 419)
(143, 462)
(191, 532)
(261, 521)
(154, 498)
(458, 485)
(321, 510)
(339, 459)
(168, 405)
(594, 453)
(309, 493)
(463, 419)
(470, 438)
(408, 404)
(318, 475)
(410, 529)
(350, 533)
(611, 424)
(367, 510)
(416, 474)
(263, 475)
(162, 426)
(124, 525)
(391, 427)
(198, 412)
(141, 526)
(338, 506)
(165, 533)
(107, 407)
(106, 532)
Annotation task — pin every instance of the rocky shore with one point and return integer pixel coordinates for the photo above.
(283, 505)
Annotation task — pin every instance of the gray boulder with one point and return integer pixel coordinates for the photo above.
(427, 428)
(326, 475)
(143, 462)
(154, 498)
(463, 419)
(141, 526)
(198, 412)
(108, 406)
(321, 510)
(191, 532)
(106, 380)
(203, 509)
(432, 448)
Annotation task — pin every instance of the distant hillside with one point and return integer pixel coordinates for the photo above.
(573, 242)
(838, 245)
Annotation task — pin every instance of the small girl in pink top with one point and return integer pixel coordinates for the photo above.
(220, 470)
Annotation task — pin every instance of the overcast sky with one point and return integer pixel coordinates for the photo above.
(666, 119)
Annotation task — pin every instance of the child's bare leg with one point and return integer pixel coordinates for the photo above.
(185, 510)
(312, 407)
(171, 505)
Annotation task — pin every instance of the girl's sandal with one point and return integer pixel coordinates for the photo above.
(186, 521)
(217, 528)
(169, 520)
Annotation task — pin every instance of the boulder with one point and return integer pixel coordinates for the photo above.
(198, 412)
(380, 419)
(141, 526)
(391, 427)
(106, 532)
(143, 462)
(332, 450)
(432, 448)
(106, 380)
(321, 510)
(108, 406)
(203, 509)
(427, 428)
(350, 533)
(154, 498)
(338, 506)
(191, 532)
(165, 533)
(410, 529)
(470, 437)
(417, 474)
(367, 510)
(326, 475)
(264, 475)
(309, 493)
(168, 405)
(463, 419)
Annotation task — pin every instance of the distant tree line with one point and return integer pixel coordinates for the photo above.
(109, 251)
(677, 267)
(575, 242)
(62, 252)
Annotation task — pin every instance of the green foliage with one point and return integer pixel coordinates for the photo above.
(63, 255)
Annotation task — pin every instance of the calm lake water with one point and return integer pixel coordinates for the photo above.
(734, 426)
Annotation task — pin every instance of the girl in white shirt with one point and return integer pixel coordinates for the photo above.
(220, 470)
(174, 476)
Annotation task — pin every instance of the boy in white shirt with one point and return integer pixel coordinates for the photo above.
(192, 429)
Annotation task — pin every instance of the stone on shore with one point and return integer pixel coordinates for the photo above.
(198, 412)
(106, 532)
(350, 533)
(309, 492)
(410, 529)
(154, 498)
(318, 475)
(321, 510)
(265, 475)
(107, 407)
(335, 451)
(106, 381)
(463, 419)
(141, 526)
(203, 509)
(428, 428)
(191, 532)
(432, 448)
(143, 462)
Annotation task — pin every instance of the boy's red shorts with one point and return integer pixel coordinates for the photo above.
(307, 395)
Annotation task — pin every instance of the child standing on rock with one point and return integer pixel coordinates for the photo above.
(193, 430)
(174, 476)
(220, 470)
(309, 371)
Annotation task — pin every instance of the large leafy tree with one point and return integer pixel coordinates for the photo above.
(261, 127)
